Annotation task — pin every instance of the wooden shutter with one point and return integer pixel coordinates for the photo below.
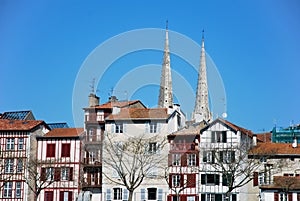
(71, 174)
(61, 195)
(50, 150)
(183, 160)
(255, 179)
(217, 179)
(170, 180)
(70, 196)
(65, 150)
(43, 174)
(191, 180)
(181, 180)
(170, 160)
(290, 196)
(203, 179)
(276, 197)
(197, 159)
(57, 174)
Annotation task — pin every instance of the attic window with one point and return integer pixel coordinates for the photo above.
(11, 122)
(25, 122)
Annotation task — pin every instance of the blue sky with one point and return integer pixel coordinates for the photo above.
(254, 44)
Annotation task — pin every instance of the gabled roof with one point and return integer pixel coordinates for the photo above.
(63, 133)
(139, 114)
(121, 104)
(192, 129)
(230, 125)
(18, 115)
(19, 125)
(274, 149)
(264, 137)
(284, 182)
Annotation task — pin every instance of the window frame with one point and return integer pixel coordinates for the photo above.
(117, 193)
(191, 159)
(64, 174)
(7, 189)
(50, 154)
(152, 195)
(18, 189)
(153, 127)
(119, 128)
(176, 180)
(65, 150)
(10, 143)
(19, 165)
(49, 173)
(9, 165)
(176, 159)
(21, 143)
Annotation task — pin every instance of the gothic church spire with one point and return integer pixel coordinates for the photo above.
(201, 110)
(165, 99)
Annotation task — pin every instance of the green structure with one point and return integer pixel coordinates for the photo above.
(286, 135)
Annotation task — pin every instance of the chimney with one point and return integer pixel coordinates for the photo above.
(295, 145)
(254, 140)
(93, 100)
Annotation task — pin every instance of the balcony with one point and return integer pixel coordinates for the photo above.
(91, 184)
(87, 138)
(184, 147)
(93, 118)
(92, 162)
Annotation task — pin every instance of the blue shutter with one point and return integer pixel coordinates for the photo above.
(160, 194)
(113, 128)
(147, 129)
(143, 194)
(124, 128)
(158, 127)
(125, 194)
(108, 194)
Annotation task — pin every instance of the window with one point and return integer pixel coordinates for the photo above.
(50, 150)
(108, 195)
(153, 127)
(211, 197)
(65, 174)
(283, 196)
(160, 194)
(20, 143)
(226, 179)
(227, 156)
(65, 150)
(49, 173)
(143, 194)
(219, 136)
(209, 156)
(119, 128)
(65, 196)
(175, 180)
(48, 196)
(261, 178)
(190, 198)
(7, 190)
(19, 165)
(152, 172)
(152, 193)
(9, 165)
(10, 144)
(117, 193)
(191, 160)
(18, 189)
(152, 147)
(176, 159)
(210, 179)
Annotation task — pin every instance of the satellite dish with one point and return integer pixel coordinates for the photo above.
(224, 115)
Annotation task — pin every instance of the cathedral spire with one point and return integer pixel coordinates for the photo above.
(165, 99)
(201, 110)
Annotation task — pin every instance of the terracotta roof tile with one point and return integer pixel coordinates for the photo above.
(264, 137)
(64, 132)
(193, 129)
(9, 125)
(269, 148)
(283, 182)
(110, 105)
(140, 113)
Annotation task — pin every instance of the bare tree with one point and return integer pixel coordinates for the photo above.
(132, 159)
(232, 162)
(40, 175)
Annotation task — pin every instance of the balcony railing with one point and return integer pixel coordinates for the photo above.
(95, 118)
(184, 146)
(92, 138)
(91, 162)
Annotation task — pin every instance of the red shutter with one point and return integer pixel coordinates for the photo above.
(169, 159)
(48, 195)
(70, 196)
(61, 195)
(191, 180)
(56, 174)
(50, 150)
(89, 178)
(71, 174)
(183, 160)
(65, 150)
(276, 197)
(290, 196)
(197, 159)
(170, 180)
(43, 174)
(169, 198)
(181, 180)
(183, 198)
(255, 179)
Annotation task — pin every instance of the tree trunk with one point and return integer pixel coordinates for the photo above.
(130, 196)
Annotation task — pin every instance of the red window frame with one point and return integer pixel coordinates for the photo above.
(50, 152)
(65, 149)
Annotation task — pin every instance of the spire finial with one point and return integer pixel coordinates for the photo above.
(167, 25)
(202, 34)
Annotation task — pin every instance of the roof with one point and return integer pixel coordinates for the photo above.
(284, 182)
(121, 104)
(19, 125)
(58, 125)
(18, 115)
(64, 132)
(264, 137)
(231, 125)
(270, 148)
(139, 113)
(192, 129)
